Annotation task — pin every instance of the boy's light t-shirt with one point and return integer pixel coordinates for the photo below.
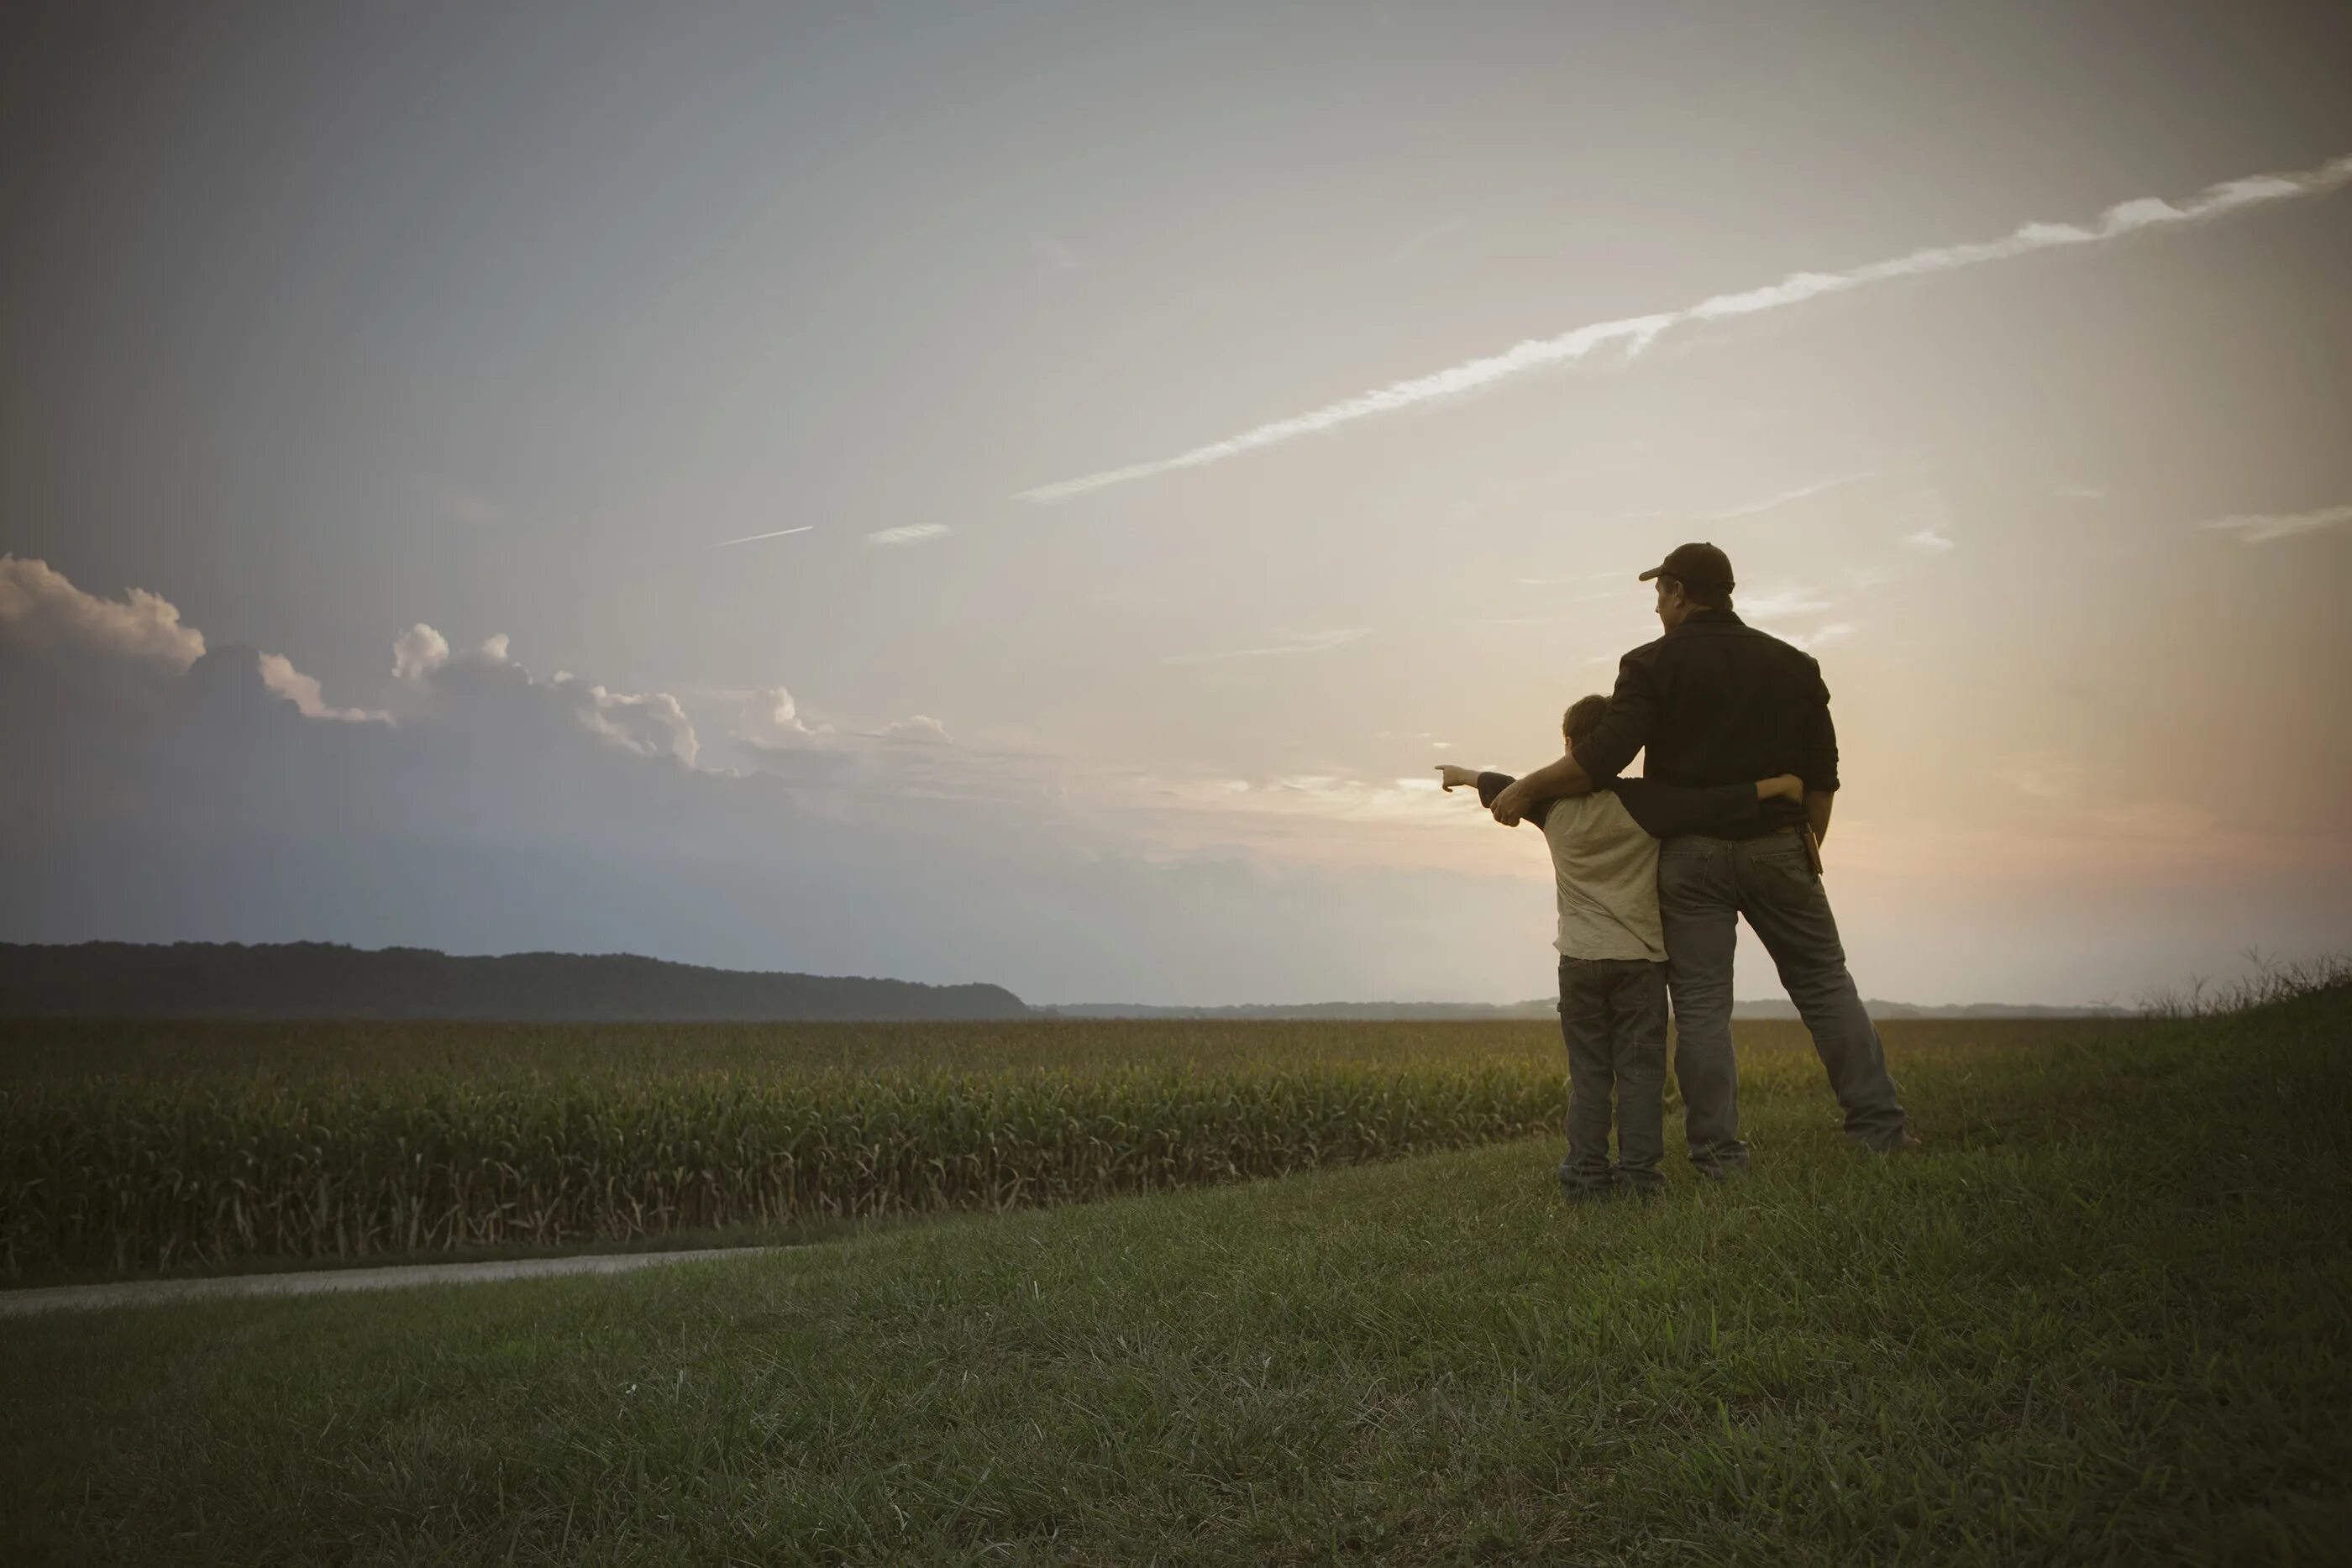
(1605, 871)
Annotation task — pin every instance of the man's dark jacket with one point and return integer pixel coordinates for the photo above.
(1716, 702)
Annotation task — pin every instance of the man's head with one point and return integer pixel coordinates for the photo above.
(1582, 715)
(1692, 577)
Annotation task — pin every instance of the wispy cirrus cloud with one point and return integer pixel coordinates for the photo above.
(1771, 503)
(1421, 239)
(1635, 333)
(1820, 636)
(912, 534)
(1779, 603)
(1302, 642)
(2259, 529)
(755, 538)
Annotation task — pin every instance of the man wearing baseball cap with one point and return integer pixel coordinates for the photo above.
(1716, 702)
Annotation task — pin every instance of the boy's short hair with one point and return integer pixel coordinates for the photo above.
(1583, 716)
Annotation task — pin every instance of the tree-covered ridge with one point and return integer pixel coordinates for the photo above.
(320, 979)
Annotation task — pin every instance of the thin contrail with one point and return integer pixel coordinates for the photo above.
(2263, 528)
(755, 538)
(1638, 332)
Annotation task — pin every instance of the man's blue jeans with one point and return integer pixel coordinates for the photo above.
(1704, 885)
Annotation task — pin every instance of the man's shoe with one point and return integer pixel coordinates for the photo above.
(1902, 1145)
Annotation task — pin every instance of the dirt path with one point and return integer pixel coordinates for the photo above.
(165, 1292)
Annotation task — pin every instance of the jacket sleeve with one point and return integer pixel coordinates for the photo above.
(1625, 729)
(1661, 811)
(1818, 751)
(1493, 784)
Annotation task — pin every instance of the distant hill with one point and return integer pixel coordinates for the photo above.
(318, 979)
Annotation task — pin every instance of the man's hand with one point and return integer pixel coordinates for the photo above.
(1784, 786)
(1556, 779)
(1454, 778)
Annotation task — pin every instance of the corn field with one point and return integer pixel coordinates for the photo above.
(144, 1172)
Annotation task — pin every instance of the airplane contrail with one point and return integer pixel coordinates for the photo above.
(1638, 332)
(755, 538)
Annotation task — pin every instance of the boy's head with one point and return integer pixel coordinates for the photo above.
(1584, 716)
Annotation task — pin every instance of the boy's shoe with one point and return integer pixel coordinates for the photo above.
(1583, 1189)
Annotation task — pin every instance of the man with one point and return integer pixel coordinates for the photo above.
(1715, 702)
(1613, 953)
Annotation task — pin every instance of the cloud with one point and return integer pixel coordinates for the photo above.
(418, 651)
(493, 649)
(770, 717)
(1635, 333)
(507, 812)
(1771, 503)
(920, 729)
(755, 538)
(39, 607)
(1930, 540)
(912, 534)
(651, 724)
(1820, 636)
(1414, 244)
(2263, 528)
(1299, 642)
(280, 675)
(1781, 603)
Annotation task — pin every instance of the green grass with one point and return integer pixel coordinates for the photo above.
(2100, 1319)
(145, 1148)
(35, 1050)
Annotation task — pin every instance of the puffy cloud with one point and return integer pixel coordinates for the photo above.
(511, 812)
(41, 608)
(772, 719)
(38, 606)
(280, 675)
(419, 650)
(494, 649)
(650, 723)
(921, 729)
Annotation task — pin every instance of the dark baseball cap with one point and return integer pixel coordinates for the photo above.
(1700, 564)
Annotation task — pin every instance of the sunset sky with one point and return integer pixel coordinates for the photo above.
(1154, 494)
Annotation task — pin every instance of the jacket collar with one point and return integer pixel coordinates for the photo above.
(1703, 621)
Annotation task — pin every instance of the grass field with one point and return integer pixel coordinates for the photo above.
(2101, 1318)
(137, 1147)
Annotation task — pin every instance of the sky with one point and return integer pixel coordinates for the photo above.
(1028, 492)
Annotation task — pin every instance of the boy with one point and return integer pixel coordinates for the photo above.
(1613, 953)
